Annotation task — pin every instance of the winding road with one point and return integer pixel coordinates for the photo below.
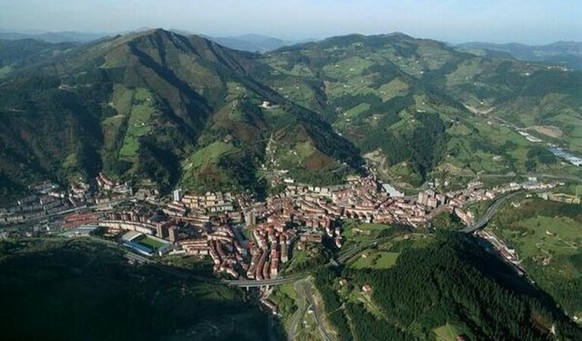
(303, 289)
(299, 314)
(317, 314)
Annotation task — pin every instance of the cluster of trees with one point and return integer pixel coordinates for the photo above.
(435, 285)
(538, 207)
(563, 288)
(324, 280)
(553, 81)
(539, 154)
(452, 280)
(423, 145)
(8, 188)
(383, 73)
(82, 281)
(369, 327)
(46, 132)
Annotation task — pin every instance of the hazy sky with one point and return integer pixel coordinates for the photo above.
(526, 21)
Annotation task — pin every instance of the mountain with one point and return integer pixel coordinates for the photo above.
(52, 37)
(157, 105)
(251, 42)
(566, 53)
(183, 110)
(419, 109)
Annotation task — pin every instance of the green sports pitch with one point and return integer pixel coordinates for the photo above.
(148, 242)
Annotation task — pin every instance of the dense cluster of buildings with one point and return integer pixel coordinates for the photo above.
(35, 207)
(243, 238)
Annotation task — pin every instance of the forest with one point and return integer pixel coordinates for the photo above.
(453, 281)
(56, 289)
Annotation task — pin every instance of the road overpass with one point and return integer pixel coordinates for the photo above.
(349, 253)
(251, 283)
(342, 257)
(489, 214)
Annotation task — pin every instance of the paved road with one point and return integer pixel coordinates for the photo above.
(306, 286)
(300, 313)
(344, 256)
(250, 283)
(489, 214)
(349, 253)
(566, 177)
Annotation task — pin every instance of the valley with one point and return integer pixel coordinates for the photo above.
(353, 188)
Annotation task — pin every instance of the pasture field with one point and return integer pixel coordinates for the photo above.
(547, 237)
(375, 260)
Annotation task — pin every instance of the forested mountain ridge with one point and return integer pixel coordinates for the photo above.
(81, 278)
(157, 105)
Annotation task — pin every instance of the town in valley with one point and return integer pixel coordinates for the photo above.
(249, 242)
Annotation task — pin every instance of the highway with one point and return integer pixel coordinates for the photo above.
(564, 177)
(251, 283)
(303, 289)
(489, 214)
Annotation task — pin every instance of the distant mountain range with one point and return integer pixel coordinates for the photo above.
(562, 53)
(254, 42)
(52, 37)
(245, 42)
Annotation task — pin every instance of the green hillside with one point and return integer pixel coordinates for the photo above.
(445, 288)
(183, 110)
(381, 92)
(546, 236)
(145, 106)
(73, 290)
